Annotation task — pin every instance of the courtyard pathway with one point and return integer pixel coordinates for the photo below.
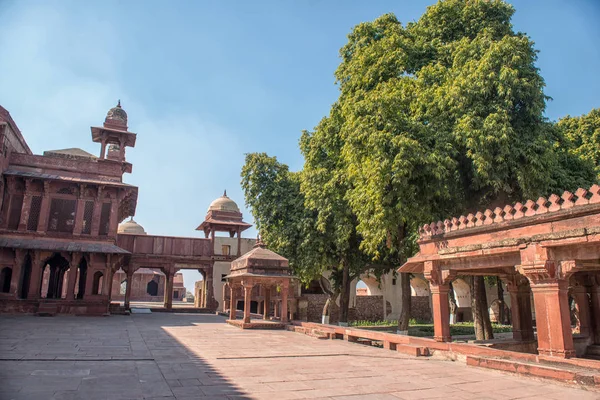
(190, 356)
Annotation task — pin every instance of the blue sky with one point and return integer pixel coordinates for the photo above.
(205, 82)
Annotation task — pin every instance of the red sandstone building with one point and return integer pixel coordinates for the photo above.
(60, 247)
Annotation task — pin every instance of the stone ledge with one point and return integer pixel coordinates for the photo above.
(557, 372)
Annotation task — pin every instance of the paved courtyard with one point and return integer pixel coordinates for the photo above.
(190, 356)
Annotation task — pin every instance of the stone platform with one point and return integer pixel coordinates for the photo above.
(256, 324)
(198, 356)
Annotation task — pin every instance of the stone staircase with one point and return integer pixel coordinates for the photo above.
(117, 309)
(47, 309)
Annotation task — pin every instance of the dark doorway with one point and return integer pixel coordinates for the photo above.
(25, 277)
(253, 306)
(152, 288)
(5, 277)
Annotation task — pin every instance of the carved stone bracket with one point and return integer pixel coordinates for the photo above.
(435, 275)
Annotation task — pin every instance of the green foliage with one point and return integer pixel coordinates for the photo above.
(286, 226)
(582, 143)
(438, 117)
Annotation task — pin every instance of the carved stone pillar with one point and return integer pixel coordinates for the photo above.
(232, 302)
(440, 288)
(226, 303)
(35, 283)
(520, 307)
(113, 219)
(267, 303)
(128, 284)
(211, 303)
(595, 301)
(97, 211)
(25, 207)
(247, 300)
(44, 209)
(284, 300)
(79, 212)
(579, 293)
(549, 285)
(17, 272)
(168, 297)
(72, 277)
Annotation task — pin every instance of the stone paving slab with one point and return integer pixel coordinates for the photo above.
(197, 356)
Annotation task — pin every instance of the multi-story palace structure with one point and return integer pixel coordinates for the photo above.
(60, 246)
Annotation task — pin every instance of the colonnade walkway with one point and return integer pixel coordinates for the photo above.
(193, 356)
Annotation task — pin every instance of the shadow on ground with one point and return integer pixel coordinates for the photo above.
(117, 357)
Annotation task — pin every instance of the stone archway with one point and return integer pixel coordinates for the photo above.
(53, 276)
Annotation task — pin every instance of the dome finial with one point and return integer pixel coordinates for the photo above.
(259, 242)
(119, 103)
(225, 193)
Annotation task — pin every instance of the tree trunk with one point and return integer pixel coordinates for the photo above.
(404, 318)
(332, 297)
(345, 299)
(501, 313)
(482, 308)
(476, 309)
(453, 305)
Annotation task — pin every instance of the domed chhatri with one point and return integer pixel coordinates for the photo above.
(223, 215)
(131, 227)
(224, 203)
(116, 118)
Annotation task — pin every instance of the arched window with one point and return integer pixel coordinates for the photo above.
(5, 277)
(97, 283)
(123, 287)
(152, 288)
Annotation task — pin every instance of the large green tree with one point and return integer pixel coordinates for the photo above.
(443, 115)
(299, 217)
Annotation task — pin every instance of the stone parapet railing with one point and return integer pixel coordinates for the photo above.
(530, 208)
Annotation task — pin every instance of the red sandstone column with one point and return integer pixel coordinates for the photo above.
(210, 291)
(284, 301)
(225, 302)
(95, 228)
(232, 302)
(267, 302)
(25, 208)
(114, 211)
(520, 308)
(35, 282)
(553, 319)
(44, 209)
(247, 301)
(595, 297)
(75, 258)
(17, 272)
(128, 286)
(79, 214)
(441, 312)
(583, 306)
(168, 296)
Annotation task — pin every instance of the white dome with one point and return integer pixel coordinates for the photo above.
(223, 203)
(131, 227)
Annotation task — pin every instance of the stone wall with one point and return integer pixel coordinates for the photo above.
(368, 308)
(420, 309)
